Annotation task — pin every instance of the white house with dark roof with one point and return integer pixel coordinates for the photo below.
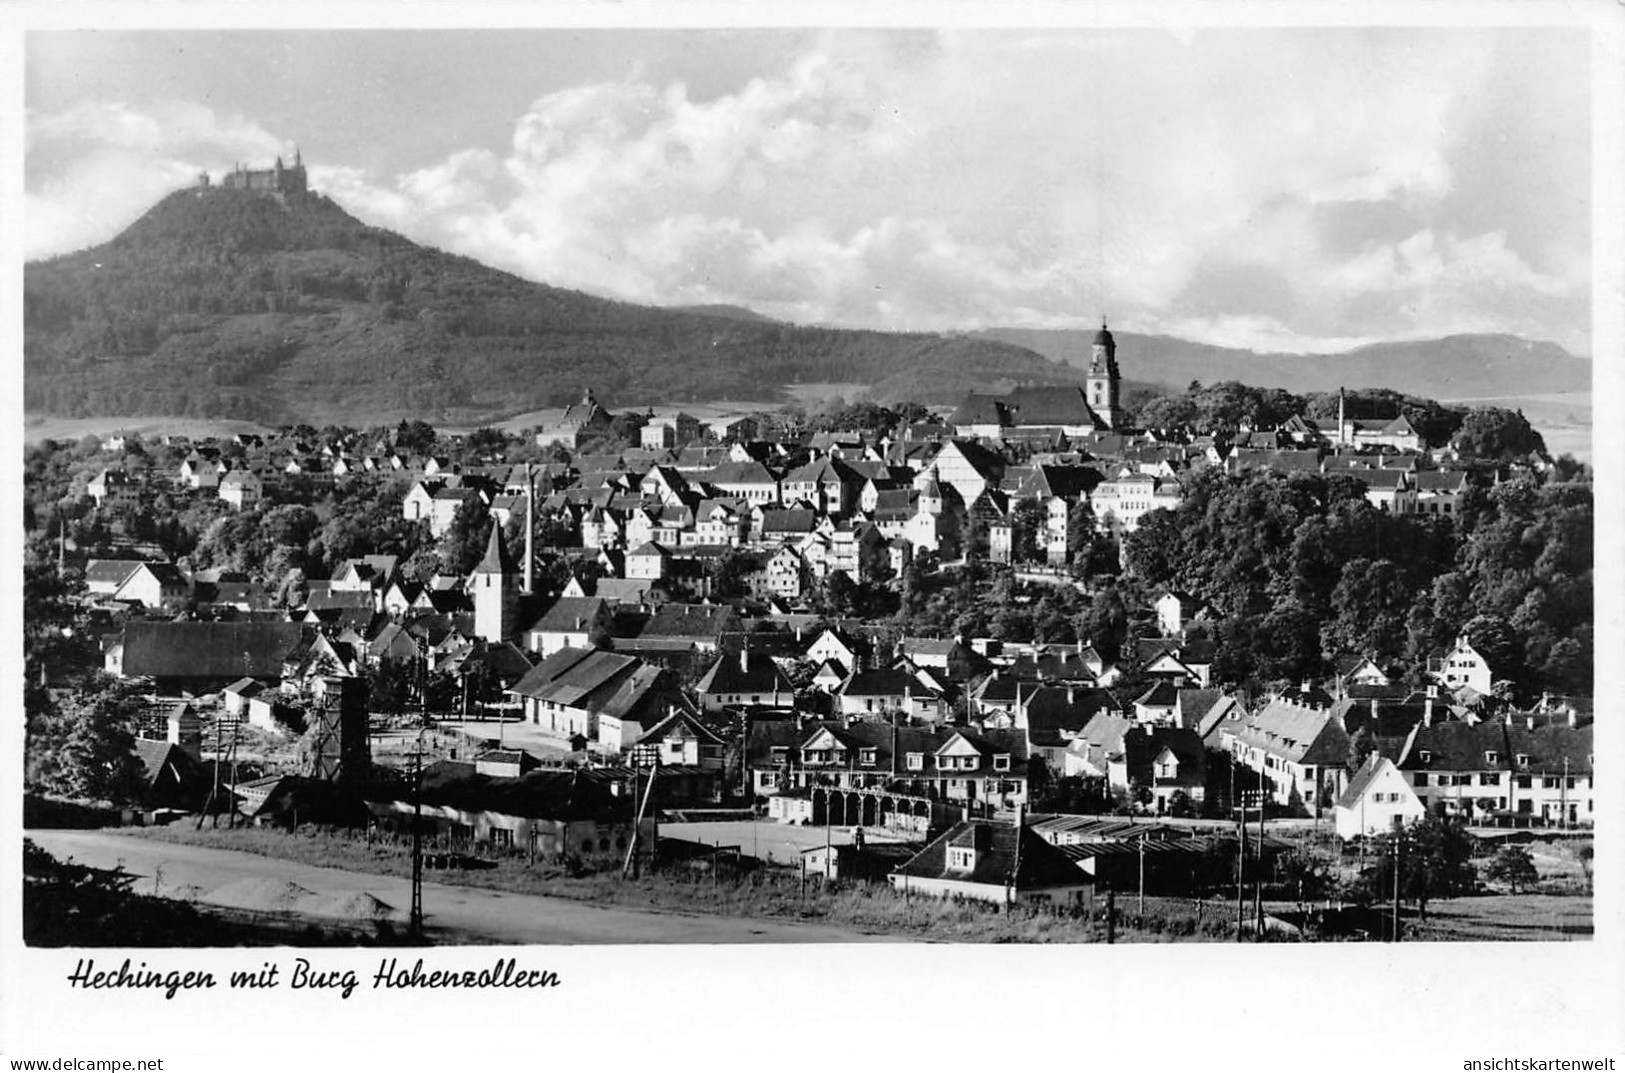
(744, 678)
(1462, 666)
(1378, 798)
(154, 585)
(104, 576)
(242, 488)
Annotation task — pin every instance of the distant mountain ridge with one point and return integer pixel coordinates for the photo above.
(283, 307)
(1457, 366)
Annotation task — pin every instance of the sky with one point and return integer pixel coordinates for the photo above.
(1279, 189)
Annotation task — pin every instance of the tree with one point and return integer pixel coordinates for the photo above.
(416, 437)
(1361, 745)
(1305, 875)
(1028, 522)
(464, 542)
(1435, 862)
(728, 572)
(1080, 537)
(85, 748)
(1512, 865)
(389, 686)
(1496, 434)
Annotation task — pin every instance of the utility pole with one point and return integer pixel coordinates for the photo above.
(1399, 848)
(1142, 875)
(415, 924)
(1258, 874)
(1241, 865)
(214, 792)
(1563, 798)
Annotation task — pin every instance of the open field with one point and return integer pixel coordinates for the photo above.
(37, 427)
(1501, 917)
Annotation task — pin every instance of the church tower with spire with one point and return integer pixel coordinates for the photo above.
(1103, 384)
(495, 585)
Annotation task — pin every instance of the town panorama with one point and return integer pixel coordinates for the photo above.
(1063, 662)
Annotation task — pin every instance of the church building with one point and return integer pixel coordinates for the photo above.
(1064, 408)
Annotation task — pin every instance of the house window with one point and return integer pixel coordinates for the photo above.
(866, 756)
(768, 779)
(916, 761)
(1001, 762)
(501, 837)
(961, 859)
(1489, 780)
(1419, 779)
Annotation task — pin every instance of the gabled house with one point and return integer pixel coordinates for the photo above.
(1377, 799)
(113, 486)
(1462, 666)
(1162, 763)
(572, 691)
(1176, 610)
(1297, 751)
(571, 622)
(242, 488)
(990, 861)
(1054, 716)
(154, 585)
(680, 739)
(743, 678)
(104, 576)
(834, 645)
(889, 695)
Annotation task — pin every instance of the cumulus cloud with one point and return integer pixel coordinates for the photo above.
(1247, 188)
(94, 168)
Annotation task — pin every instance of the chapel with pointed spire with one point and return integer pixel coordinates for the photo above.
(495, 585)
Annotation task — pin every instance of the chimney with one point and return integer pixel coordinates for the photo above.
(1529, 722)
(1427, 712)
(744, 659)
(1574, 716)
(1433, 690)
(530, 530)
(185, 731)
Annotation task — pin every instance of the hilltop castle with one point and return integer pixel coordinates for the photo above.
(277, 179)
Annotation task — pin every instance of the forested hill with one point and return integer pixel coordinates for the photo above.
(1455, 367)
(224, 303)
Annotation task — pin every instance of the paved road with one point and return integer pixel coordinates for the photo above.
(452, 913)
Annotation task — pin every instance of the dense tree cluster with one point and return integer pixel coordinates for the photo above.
(1303, 569)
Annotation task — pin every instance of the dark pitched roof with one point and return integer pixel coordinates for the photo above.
(497, 560)
(209, 649)
(572, 614)
(1057, 713)
(758, 674)
(553, 795)
(1040, 864)
(692, 621)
